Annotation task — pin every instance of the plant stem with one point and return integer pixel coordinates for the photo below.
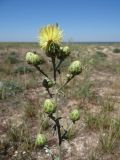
(50, 94)
(58, 66)
(65, 83)
(41, 71)
(66, 131)
(58, 129)
(57, 119)
(54, 68)
(57, 124)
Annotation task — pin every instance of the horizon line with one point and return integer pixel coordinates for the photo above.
(62, 42)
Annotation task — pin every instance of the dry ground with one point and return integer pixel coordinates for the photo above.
(96, 92)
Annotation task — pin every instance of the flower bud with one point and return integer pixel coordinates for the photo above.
(63, 52)
(74, 115)
(66, 50)
(52, 49)
(40, 140)
(75, 68)
(49, 106)
(33, 58)
(47, 83)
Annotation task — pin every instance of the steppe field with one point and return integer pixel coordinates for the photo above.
(96, 92)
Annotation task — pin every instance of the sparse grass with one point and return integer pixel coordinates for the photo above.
(23, 70)
(99, 61)
(29, 82)
(99, 58)
(101, 120)
(115, 67)
(94, 156)
(26, 80)
(107, 105)
(30, 110)
(6, 69)
(20, 138)
(9, 88)
(43, 122)
(108, 139)
(71, 132)
(84, 88)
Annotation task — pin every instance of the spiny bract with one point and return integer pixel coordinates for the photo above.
(50, 33)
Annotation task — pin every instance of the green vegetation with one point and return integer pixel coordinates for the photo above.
(9, 88)
(116, 50)
(12, 58)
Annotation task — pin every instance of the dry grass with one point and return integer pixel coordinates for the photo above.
(96, 92)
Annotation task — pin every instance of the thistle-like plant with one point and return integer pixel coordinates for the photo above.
(50, 38)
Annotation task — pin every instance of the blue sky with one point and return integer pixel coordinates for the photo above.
(81, 20)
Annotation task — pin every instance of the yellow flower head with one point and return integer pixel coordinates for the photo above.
(50, 33)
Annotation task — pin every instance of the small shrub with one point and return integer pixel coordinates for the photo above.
(12, 58)
(116, 50)
(101, 54)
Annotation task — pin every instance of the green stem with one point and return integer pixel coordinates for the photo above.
(54, 68)
(41, 71)
(58, 130)
(65, 83)
(58, 66)
(66, 131)
(50, 94)
(57, 124)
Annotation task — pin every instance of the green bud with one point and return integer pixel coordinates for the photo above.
(74, 115)
(49, 106)
(75, 68)
(66, 50)
(33, 58)
(52, 49)
(47, 83)
(40, 140)
(63, 52)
